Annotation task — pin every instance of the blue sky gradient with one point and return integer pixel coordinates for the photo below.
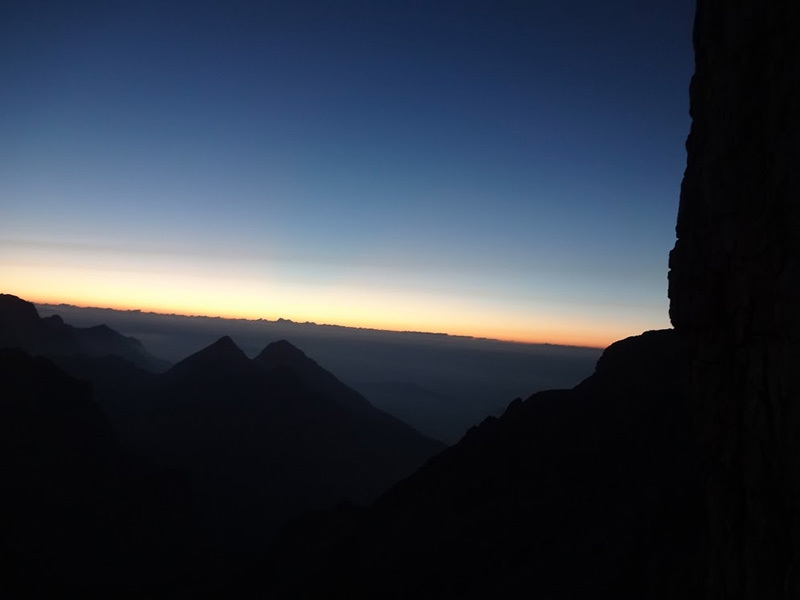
(502, 169)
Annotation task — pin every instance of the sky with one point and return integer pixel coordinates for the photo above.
(488, 168)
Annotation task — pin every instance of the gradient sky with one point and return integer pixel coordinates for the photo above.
(498, 169)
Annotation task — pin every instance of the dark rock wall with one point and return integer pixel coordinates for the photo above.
(735, 288)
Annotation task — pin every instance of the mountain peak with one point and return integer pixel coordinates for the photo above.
(281, 352)
(224, 348)
(15, 308)
(222, 354)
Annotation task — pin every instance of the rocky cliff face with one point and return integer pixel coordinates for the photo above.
(735, 288)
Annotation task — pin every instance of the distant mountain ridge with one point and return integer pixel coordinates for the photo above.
(22, 327)
(440, 385)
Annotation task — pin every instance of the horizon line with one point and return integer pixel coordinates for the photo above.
(281, 319)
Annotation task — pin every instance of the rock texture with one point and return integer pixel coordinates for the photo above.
(735, 288)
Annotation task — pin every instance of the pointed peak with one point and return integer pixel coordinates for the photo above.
(284, 355)
(224, 354)
(225, 346)
(281, 352)
(284, 346)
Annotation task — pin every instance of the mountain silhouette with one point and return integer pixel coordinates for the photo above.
(223, 356)
(22, 327)
(77, 517)
(594, 492)
(260, 440)
(282, 354)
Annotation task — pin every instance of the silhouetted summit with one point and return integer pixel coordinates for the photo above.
(18, 313)
(282, 354)
(224, 349)
(222, 355)
(21, 327)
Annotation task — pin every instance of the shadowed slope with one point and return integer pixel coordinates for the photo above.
(282, 354)
(262, 440)
(223, 356)
(76, 519)
(594, 492)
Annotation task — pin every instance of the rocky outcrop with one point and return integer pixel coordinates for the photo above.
(735, 288)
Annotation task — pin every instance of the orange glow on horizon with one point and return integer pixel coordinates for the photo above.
(572, 338)
(344, 303)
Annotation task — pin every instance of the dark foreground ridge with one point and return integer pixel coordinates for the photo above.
(592, 492)
(78, 519)
(259, 441)
(595, 492)
(143, 484)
